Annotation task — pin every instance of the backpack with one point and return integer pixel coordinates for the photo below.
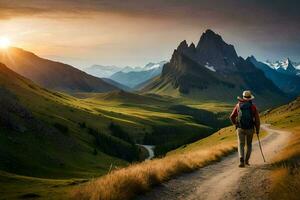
(245, 115)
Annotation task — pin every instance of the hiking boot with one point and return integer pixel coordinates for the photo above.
(242, 164)
(247, 162)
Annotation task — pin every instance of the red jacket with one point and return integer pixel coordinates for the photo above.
(234, 114)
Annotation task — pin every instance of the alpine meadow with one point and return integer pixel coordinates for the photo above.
(149, 100)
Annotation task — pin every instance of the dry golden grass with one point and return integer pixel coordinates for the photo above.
(286, 172)
(286, 175)
(128, 182)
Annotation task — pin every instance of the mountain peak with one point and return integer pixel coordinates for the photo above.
(209, 37)
(192, 46)
(252, 58)
(287, 64)
(182, 46)
(213, 49)
(288, 61)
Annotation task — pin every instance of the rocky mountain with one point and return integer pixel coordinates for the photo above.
(102, 71)
(289, 83)
(133, 78)
(285, 67)
(213, 71)
(50, 74)
(152, 65)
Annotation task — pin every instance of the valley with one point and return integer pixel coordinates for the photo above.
(62, 129)
(52, 139)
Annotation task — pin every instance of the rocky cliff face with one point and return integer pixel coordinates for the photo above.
(210, 71)
(211, 51)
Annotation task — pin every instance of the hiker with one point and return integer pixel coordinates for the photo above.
(245, 117)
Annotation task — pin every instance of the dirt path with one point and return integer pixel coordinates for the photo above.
(224, 180)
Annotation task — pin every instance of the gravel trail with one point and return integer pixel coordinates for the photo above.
(224, 180)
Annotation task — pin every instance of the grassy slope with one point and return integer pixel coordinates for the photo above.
(286, 171)
(17, 187)
(51, 74)
(46, 154)
(59, 155)
(149, 111)
(65, 156)
(141, 177)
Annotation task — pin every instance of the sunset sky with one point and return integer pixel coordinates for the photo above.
(135, 32)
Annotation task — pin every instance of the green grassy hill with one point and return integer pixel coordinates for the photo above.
(41, 133)
(168, 122)
(46, 134)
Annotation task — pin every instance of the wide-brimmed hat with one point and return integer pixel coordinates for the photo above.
(247, 95)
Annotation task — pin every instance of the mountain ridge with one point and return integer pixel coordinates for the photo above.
(286, 66)
(52, 74)
(288, 83)
(212, 72)
(134, 78)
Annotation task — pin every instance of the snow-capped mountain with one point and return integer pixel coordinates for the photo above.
(212, 70)
(152, 65)
(296, 65)
(131, 69)
(290, 84)
(149, 66)
(102, 71)
(106, 71)
(286, 66)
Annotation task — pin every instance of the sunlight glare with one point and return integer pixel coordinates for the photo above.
(4, 42)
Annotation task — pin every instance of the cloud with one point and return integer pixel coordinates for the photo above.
(267, 24)
(250, 11)
(7, 12)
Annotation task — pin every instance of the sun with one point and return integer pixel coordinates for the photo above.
(4, 42)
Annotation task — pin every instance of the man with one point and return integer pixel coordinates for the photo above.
(245, 117)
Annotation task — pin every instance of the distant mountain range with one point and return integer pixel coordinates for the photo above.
(278, 72)
(50, 74)
(213, 70)
(116, 84)
(102, 71)
(285, 67)
(137, 76)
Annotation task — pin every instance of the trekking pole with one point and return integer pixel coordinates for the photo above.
(260, 148)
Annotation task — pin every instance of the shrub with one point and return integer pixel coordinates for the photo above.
(95, 151)
(114, 146)
(82, 124)
(118, 132)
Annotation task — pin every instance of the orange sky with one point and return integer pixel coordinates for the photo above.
(98, 38)
(134, 32)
